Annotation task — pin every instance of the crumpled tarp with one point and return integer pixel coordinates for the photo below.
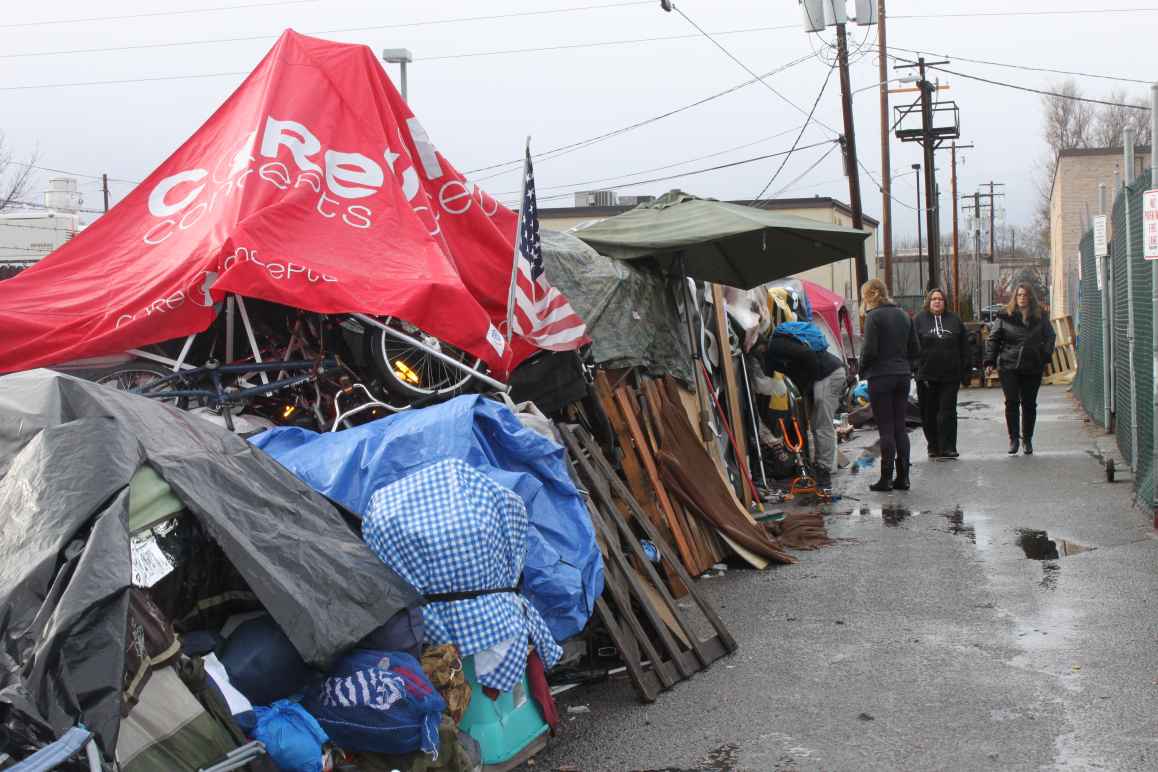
(563, 575)
(630, 310)
(68, 452)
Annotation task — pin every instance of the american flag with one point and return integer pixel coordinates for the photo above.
(536, 310)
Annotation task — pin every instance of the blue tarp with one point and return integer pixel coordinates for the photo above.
(563, 574)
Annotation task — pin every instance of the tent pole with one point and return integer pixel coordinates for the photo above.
(252, 338)
(432, 351)
(230, 313)
(752, 414)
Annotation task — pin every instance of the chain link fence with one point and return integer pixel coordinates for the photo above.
(1126, 344)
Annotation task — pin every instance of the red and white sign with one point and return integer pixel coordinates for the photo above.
(1150, 224)
(314, 186)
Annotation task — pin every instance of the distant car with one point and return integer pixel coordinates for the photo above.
(989, 313)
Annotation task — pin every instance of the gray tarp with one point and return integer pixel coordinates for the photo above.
(68, 451)
(740, 246)
(630, 312)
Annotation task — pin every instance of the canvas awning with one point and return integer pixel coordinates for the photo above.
(740, 246)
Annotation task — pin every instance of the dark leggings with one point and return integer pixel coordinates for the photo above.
(938, 400)
(1020, 397)
(889, 395)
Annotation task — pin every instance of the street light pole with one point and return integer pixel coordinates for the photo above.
(401, 57)
(886, 164)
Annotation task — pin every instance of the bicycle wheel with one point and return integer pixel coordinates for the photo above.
(412, 372)
(137, 375)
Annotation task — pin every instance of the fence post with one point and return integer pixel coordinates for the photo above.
(1127, 178)
(1102, 266)
(1154, 299)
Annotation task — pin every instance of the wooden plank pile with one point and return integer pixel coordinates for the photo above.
(1063, 366)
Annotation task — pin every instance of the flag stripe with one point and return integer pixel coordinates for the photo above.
(538, 312)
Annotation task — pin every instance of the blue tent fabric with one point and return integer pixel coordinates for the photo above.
(563, 575)
(805, 332)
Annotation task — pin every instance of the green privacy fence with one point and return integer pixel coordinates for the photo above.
(1127, 344)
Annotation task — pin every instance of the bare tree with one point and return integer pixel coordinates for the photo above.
(15, 177)
(1112, 120)
(1068, 123)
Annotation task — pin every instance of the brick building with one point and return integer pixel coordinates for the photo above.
(1073, 203)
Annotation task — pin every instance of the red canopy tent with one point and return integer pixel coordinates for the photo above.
(831, 307)
(313, 186)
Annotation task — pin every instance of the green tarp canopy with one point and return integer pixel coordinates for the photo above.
(740, 246)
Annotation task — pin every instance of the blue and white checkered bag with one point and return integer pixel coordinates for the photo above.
(450, 529)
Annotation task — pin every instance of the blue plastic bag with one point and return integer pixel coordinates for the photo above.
(378, 702)
(292, 737)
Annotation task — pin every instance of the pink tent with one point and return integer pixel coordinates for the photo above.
(830, 307)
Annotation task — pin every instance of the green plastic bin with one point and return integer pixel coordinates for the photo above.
(502, 727)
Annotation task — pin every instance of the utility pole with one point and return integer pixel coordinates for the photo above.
(105, 189)
(992, 197)
(977, 252)
(956, 272)
(886, 163)
(930, 137)
(849, 144)
(920, 214)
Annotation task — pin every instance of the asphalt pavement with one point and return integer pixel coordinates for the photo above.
(938, 632)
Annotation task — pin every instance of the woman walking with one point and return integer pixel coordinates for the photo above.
(1020, 345)
(887, 354)
(940, 367)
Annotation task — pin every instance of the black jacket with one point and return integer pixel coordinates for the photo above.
(890, 343)
(944, 347)
(796, 360)
(1017, 346)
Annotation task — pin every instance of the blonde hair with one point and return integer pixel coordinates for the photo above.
(874, 293)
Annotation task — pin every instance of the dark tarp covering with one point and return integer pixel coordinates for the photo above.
(630, 311)
(741, 246)
(68, 451)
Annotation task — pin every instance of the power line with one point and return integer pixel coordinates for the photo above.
(271, 36)
(1043, 92)
(749, 70)
(1027, 68)
(881, 189)
(664, 166)
(33, 205)
(803, 174)
(71, 174)
(122, 80)
(784, 160)
(562, 149)
(153, 14)
(1071, 12)
(633, 183)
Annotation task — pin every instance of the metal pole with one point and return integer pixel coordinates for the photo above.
(1153, 288)
(851, 165)
(105, 189)
(977, 252)
(432, 351)
(956, 273)
(992, 241)
(1107, 324)
(886, 163)
(1128, 163)
(920, 214)
(403, 66)
(930, 168)
(752, 415)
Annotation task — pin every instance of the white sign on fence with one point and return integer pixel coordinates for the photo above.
(1099, 271)
(1101, 247)
(1150, 224)
(990, 272)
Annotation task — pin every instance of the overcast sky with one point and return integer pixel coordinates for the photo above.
(478, 109)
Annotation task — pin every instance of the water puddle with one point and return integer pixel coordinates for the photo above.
(957, 525)
(1038, 546)
(722, 759)
(867, 458)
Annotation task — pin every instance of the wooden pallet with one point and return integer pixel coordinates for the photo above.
(650, 630)
(1063, 366)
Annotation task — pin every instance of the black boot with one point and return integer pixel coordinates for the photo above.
(1014, 445)
(1028, 445)
(886, 482)
(901, 481)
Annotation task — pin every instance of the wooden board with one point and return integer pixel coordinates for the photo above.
(731, 389)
